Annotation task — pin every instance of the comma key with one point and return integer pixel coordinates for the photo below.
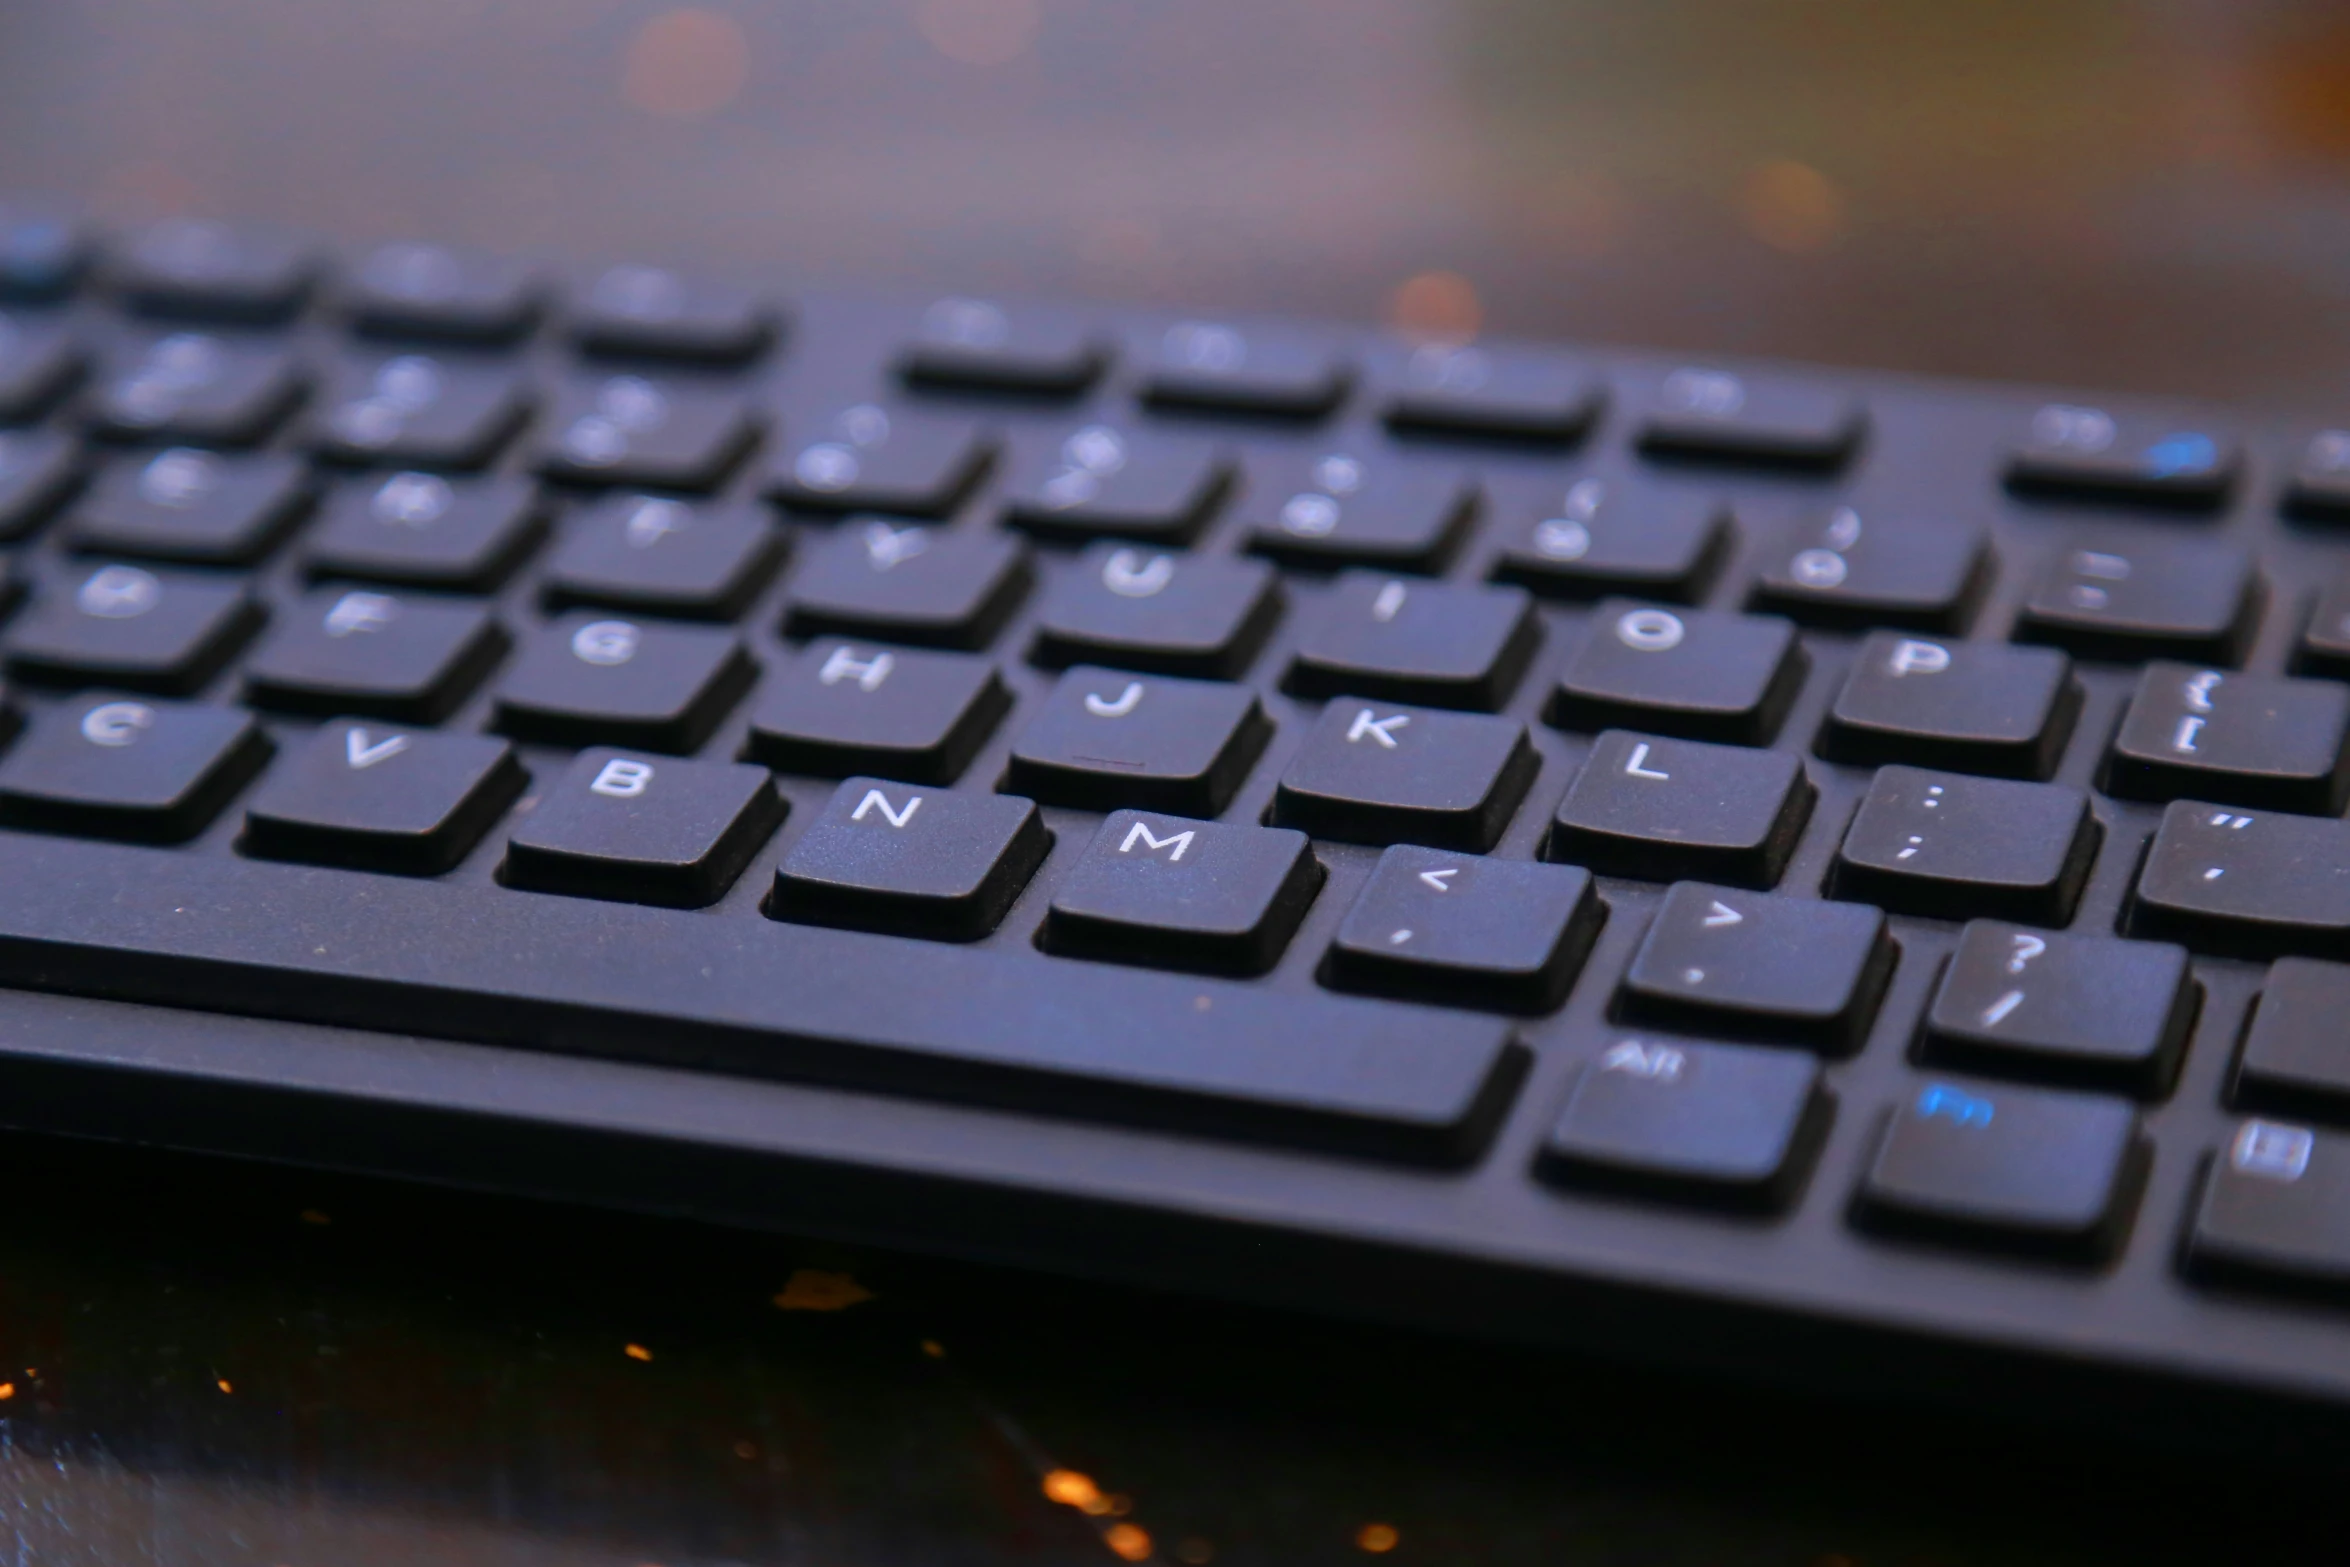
(1507, 935)
(2255, 883)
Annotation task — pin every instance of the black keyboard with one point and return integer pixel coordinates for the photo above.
(1538, 842)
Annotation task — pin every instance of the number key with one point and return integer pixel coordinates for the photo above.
(894, 460)
(1898, 571)
(1604, 539)
(632, 430)
(1337, 510)
(418, 410)
(2132, 598)
(193, 386)
(1102, 480)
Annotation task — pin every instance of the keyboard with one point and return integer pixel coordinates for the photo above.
(1739, 862)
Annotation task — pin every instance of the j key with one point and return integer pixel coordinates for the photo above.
(420, 411)
(1969, 707)
(1601, 539)
(1105, 739)
(1493, 394)
(1267, 371)
(1440, 644)
(657, 688)
(38, 470)
(664, 435)
(2325, 645)
(900, 461)
(1730, 1125)
(1886, 571)
(193, 386)
(1337, 510)
(113, 767)
(1172, 614)
(664, 557)
(187, 505)
(2276, 1210)
(42, 254)
(1106, 481)
(644, 829)
(355, 650)
(1752, 964)
(651, 313)
(911, 861)
(2027, 1169)
(2088, 1010)
(1666, 810)
(1719, 416)
(938, 587)
(215, 271)
(1177, 893)
(1696, 673)
(382, 799)
(438, 294)
(2072, 450)
(978, 345)
(1949, 847)
(1372, 773)
(2296, 1053)
(2236, 739)
(125, 626)
(2141, 598)
(38, 360)
(843, 707)
(2255, 883)
(421, 530)
(1467, 931)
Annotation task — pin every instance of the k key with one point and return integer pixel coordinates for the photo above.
(912, 861)
(2250, 740)
(1382, 774)
(113, 767)
(1104, 739)
(1177, 893)
(1206, 616)
(846, 707)
(1969, 707)
(1441, 644)
(1669, 809)
(1696, 673)
(383, 799)
(644, 829)
(1752, 964)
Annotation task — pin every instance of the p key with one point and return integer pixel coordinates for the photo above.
(1696, 673)
(910, 860)
(383, 799)
(1968, 707)
(1379, 774)
(1753, 964)
(109, 766)
(1105, 739)
(1176, 893)
(2256, 740)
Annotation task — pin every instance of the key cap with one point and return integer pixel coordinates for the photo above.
(42, 254)
(2253, 883)
(2275, 1210)
(2325, 643)
(193, 386)
(1263, 371)
(840, 708)
(936, 587)
(644, 829)
(109, 766)
(2296, 1054)
(253, 273)
(420, 530)
(187, 505)
(39, 359)
(1106, 481)
(897, 460)
(1376, 773)
(1887, 571)
(911, 861)
(131, 628)
(419, 411)
(2072, 450)
(1339, 510)
(663, 557)
(1751, 964)
(1965, 707)
(586, 679)
(979, 345)
(358, 651)
(2281, 745)
(438, 294)
(1732, 1126)
(381, 799)
(1698, 674)
(2320, 486)
(1104, 740)
(1439, 644)
(1601, 538)
(1953, 847)
(2086, 1010)
(1721, 416)
(651, 313)
(1668, 810)
(2133, 598)
(1175, 893)
(630, 430)
(39, 469)
(1500, 934)
(1493, 394)
(1205, 616)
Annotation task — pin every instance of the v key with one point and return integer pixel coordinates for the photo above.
(360, 752)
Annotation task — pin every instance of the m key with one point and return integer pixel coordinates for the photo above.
(2254, 883)
(1668, 809)
(1507, 935)
(1375, 774)
(2256, 740)
(1176, 893)
(911, 861)
(2087, 1010)
(384, 799)
(1105, 739)
(1770, 967)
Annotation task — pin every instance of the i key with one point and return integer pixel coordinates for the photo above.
(1899, 571)
(1177, 893)
(2283, 745)
(1694, 673)
(2296, 1053)
(632, 430)
(893, 460)
(1378, 774)
(139, 630)
(1103, 480)
(644, 829)
(1968, 707)
(845, 707)
(1603, 538)
(2254, 883)
(1770, 967)
(113, 767)
(2087, 1010)
(2275, 1211)
(414, 802)
(911, 861)
(1440, 644)
(1342, 510)
(664, 557)
(1949, 846)
(1666, 810)
(1206, 616)
(193, 506)
(2133, 598)
(359, 651)
(1506, 935)
(1104, 740)
(936, 587)
(420, 530)
(656, 688)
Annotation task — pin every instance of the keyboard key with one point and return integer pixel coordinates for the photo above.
(216, 271)
(2320, 486)
(1751, 964)
(1949, 846)
(420, 411)
(1374, 773)
(2071, 450)
(42, 254)
(2252, 883)
(39, 469)
(900, 461)
(1336, 510)
(1172, 614)
(1104, 740)
(1896, 571)
(192, 386)
(1264, 371)
(2296, 1054)
(1673, 809)
(2086, 1010)
(978, 345)
(937, 587)
(1493, 394)
(420, 530)
(39, 359)
(2325, 642)
(2275, 1210)
(1467, 931)
(1734, 1126)
(644, 829)
(911, 861)
(373, 798)
(108, 766)
(128, 627)
(1966, 707)
(663, 435)
(1175, 893)
(1440, 644)
(1699, 674)
(1719, 416)
(664, 557)
(841, 707)
(355, 650)
(439, 294)
(583, 680)
(2130, 598)
(1600, 539)
(194, 506)
(2254, 740)
(651, 313)
(1105, 481)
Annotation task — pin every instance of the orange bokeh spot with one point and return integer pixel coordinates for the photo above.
(1129, 1542)
(1440, 305)
(685, 65)
(1377, 1538)
(1072, 1489)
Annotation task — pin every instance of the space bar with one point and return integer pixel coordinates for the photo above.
(749, 995)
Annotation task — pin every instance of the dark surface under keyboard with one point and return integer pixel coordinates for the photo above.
(1519, 839)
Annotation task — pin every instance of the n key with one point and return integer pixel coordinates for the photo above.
(911, 861)
(154, 772)
(1104, 740)
(2254, 740)
(2256, 883)
(1771, 967)
(383, 799)
(1177, 893)
(1694, 673)
(1377, 774)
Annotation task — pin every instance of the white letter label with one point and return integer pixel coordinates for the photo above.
(360, 754)
(622, 779)
(1141, 833)
(1127, 701)
(1918, 658)
(896, 816)
(843, 664)
(116, 723)
(1380, 729)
